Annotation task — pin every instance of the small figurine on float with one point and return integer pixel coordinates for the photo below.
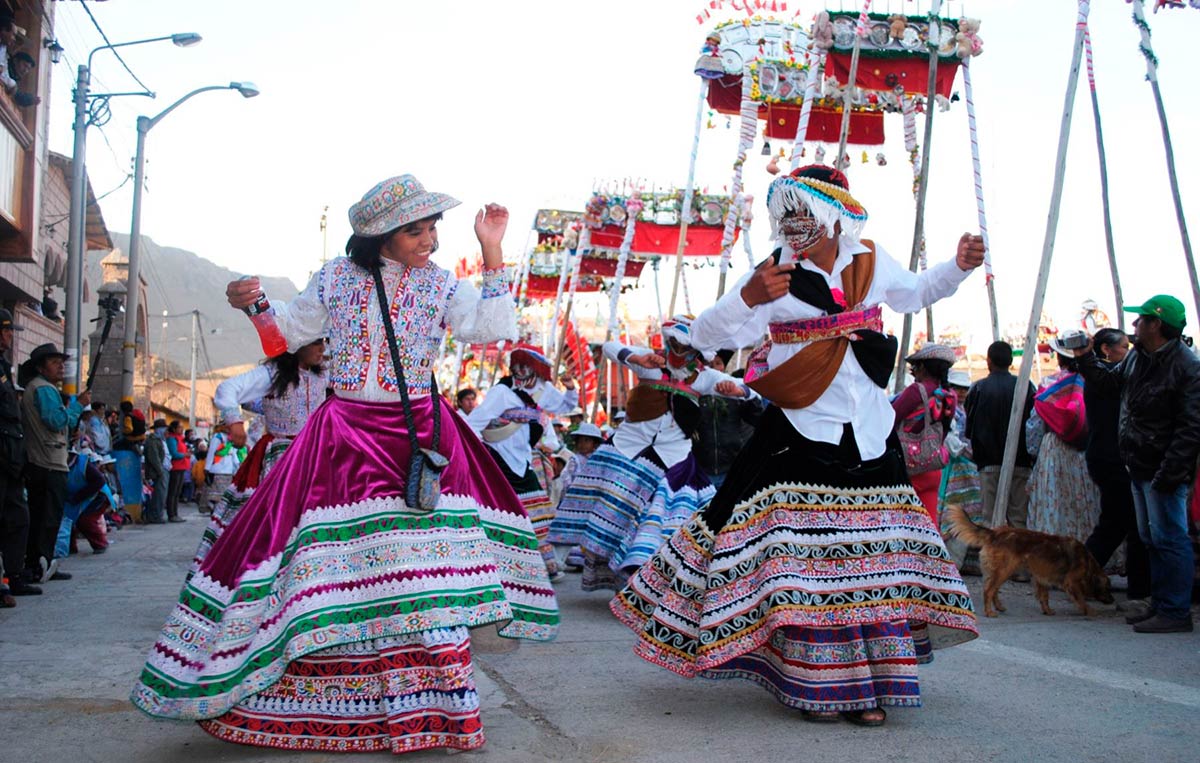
(968, 39)
(897, 23)
(822, 31)
(709, 65)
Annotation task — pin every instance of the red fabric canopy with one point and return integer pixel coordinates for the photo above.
(866, 127)
(825, 125)
(912, 73)
(652, 238)
(602, 266)
(546, 287)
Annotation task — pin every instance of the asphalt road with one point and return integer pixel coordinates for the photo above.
(1031, 688)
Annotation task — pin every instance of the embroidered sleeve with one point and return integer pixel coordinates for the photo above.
(496, 283)
(487, 317)
(305, 316)
(240, 390)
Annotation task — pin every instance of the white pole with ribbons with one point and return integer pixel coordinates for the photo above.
(1016, 414)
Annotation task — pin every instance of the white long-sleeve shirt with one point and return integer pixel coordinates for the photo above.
(852, 397)
(515, 449)
(663, 433)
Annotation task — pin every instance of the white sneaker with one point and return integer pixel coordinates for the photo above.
(48, 569)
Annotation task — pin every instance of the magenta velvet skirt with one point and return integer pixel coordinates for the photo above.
(325, 553)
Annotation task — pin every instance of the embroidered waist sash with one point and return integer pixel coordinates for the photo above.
(827, 326)
(507, 423)
(804, 377)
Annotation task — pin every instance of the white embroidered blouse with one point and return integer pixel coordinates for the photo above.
(284, 415)
(340, 301)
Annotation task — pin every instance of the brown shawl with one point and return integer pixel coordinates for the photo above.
(805, 376)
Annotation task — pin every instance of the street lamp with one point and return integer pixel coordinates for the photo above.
(144, 124)
(72, 338)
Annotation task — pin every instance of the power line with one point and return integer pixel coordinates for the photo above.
(115, 52)
(57, 220)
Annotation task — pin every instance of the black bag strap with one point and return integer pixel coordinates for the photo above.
(385, 310)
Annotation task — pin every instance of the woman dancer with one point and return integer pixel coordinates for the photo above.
(631, 495)
(815, 570)
(331, 614)
(512, 422)
(285, 390)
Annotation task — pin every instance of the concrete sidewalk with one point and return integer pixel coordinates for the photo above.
(1032, 688)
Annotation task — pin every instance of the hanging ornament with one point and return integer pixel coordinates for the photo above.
(773, 165)
(820, 155)
(865, 158)
(881, 160)
(728, 123)
(766, 149)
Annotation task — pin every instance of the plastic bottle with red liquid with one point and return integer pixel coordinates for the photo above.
(263, 317)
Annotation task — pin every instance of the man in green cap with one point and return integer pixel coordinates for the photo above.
(1159, 440)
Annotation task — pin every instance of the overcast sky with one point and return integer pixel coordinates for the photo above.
(530, 103)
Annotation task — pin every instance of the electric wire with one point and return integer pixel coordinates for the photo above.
(115, 52)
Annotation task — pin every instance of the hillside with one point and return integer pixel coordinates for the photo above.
(179, 281)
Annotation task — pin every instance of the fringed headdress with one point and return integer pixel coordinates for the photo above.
(530, 356)
(829, 202)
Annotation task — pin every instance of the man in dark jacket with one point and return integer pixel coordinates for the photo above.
(989, 405)
(1159, 440)
(14, 512)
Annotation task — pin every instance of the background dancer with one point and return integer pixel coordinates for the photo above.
(332, 613)
(285, 390)
(512, 420)
(815, 570)
(631, 494)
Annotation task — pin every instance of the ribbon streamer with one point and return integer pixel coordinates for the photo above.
(749, 128)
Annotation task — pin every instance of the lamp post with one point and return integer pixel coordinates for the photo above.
(144, 125)
(77, 229)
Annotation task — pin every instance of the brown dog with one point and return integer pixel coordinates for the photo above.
(1052, 560)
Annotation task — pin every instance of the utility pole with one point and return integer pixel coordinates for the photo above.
(76, 235)
(195, 338)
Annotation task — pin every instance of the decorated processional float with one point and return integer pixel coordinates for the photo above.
(624, 227)
(820, 89)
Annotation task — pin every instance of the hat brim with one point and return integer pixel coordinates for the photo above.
(431, 203)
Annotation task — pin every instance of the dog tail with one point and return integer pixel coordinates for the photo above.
(964, 529)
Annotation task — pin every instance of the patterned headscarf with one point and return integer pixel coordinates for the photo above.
(829, 200)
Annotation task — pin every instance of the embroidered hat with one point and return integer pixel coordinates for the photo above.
(679, 328)
(394, 203)
(1164, 307)
(932, 352)
(530, 356)
(829, 201)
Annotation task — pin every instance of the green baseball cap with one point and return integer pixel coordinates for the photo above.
(1164, 307)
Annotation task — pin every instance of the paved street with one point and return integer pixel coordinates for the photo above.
(1032, 688)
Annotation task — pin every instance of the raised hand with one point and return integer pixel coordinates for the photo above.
(490, 224)
(769, 282)
(243, 293)
(646, 360)
(970, 252)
